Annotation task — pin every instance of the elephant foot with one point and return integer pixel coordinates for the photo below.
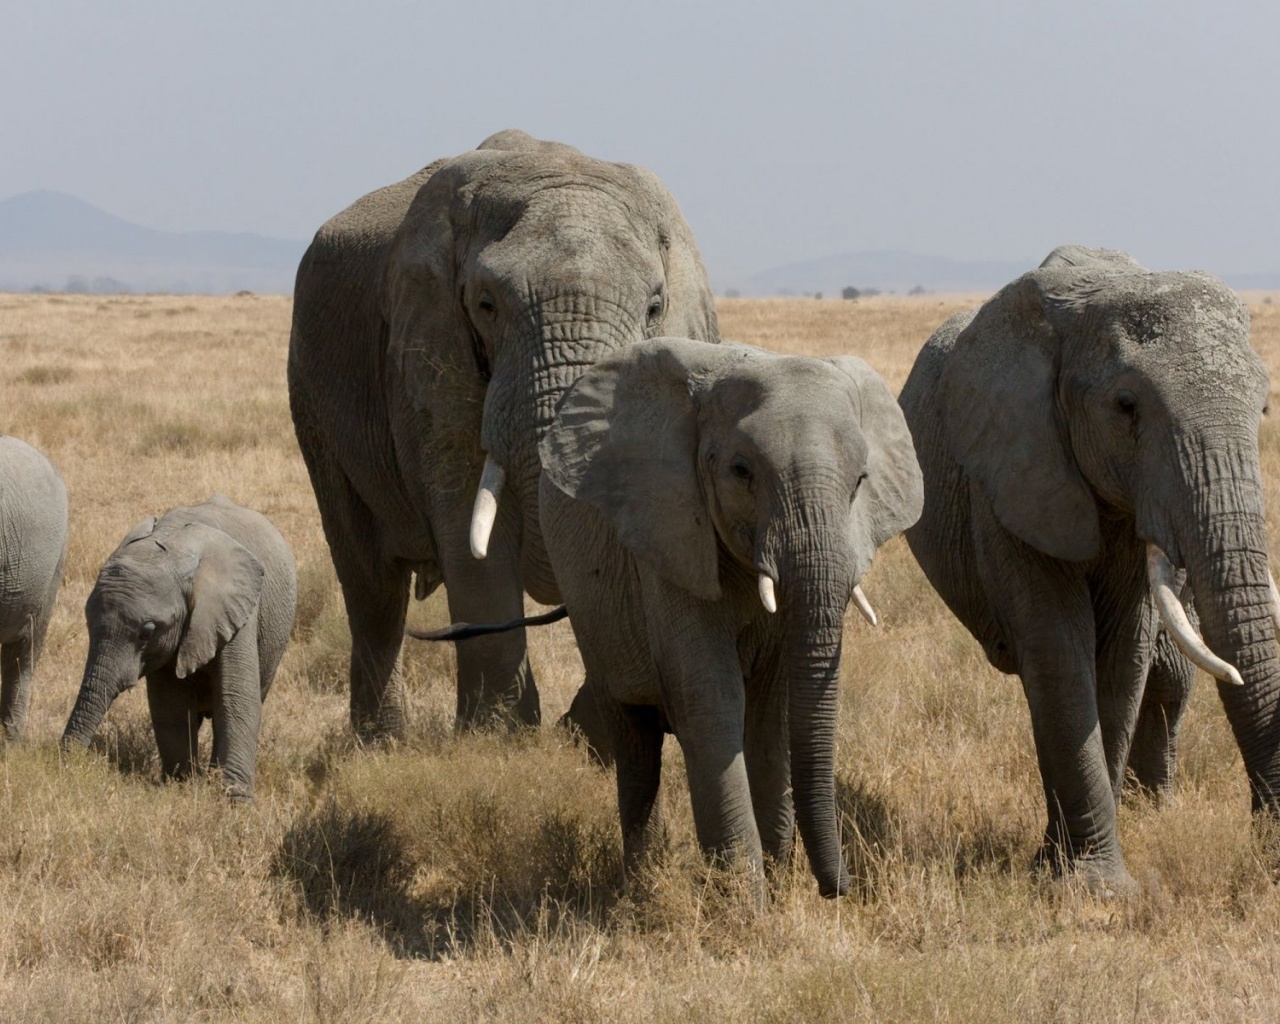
(1103, 877)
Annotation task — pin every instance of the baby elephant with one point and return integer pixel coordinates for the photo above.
(201, 602)
(710, 511)
(33, 547)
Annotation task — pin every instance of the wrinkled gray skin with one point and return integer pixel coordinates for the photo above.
(1089, 408)
(438, 320)
(201, 602)
(33, 548)
(676, 472)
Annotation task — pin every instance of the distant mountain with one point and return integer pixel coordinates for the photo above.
(900, 271)
(52, 240)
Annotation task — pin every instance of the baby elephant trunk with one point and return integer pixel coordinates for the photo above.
(107, 673)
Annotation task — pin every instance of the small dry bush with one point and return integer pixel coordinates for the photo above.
(478, 877)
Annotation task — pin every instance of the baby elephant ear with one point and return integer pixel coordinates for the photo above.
(141, 530)
(625, 440)
(891, 498)
(225, 586)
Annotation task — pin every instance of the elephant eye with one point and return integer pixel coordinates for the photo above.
(739, 468)
(1127, 402)
(655, 307)
(486, 304)
(857, 484)
(147, 631)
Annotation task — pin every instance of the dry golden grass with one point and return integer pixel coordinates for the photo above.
(478, 877)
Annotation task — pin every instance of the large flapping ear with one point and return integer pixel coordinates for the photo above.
(1000, 410)
(891, 497)
(140, 530)
(421, 305)
(625, 439)
(224, 586)
(691, 307)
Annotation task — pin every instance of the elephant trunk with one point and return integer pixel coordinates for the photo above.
(1225, 551)
(814, 587)
(557, 341)
(108, 673)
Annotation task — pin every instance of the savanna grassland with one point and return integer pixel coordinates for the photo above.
(478, 877)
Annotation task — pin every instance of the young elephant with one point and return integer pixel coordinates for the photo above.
(33, 548)
(709, 511)
(201, 602)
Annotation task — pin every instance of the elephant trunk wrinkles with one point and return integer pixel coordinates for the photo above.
(104, 680)
(814, 587)
(1226, 556)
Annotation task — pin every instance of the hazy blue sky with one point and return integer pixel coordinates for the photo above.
(980, 129)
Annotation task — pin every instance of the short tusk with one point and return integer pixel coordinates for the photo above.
(485, 510)
(1275, 603)
(1160, 574)
(864, 606)
(767, 596)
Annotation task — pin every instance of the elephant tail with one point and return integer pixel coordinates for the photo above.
(465, 630)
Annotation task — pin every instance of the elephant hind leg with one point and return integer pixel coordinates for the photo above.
(1153, 755)
(17, 661)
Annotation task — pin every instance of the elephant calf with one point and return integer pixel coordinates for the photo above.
(33, 548)
(709, 511)
(201, 602)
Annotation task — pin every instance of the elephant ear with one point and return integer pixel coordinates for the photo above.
(1084, 257)
(691, 307)
(421, 307)
(1000, 410)
(224, 586)
(625, 439)
(891, 497)
(142, 529)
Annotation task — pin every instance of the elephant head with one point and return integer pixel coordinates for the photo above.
(161, 601)
(530, 262)
(1092, 389)
(730, 471)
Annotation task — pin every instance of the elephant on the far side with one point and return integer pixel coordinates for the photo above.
(710, 511)
(33, 548)
(201, 602)
(1089, 442)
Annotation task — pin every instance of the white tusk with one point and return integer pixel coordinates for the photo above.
(767, 596)
(1161, 576)
(864, 606)
(485, 510)
(1275, 603)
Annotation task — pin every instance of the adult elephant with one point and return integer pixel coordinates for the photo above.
(1088, 436)
(436, 324)
(710, 511)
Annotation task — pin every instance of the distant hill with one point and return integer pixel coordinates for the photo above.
(52, 240)
(900, 271)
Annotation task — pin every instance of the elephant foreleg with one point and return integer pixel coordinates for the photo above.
(176, 721)
(636, 738)
(237, 711)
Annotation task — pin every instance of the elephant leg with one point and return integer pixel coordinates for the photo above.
(237, 711)
(375, 590)
(1047, 613)
(176, 721)
(768, 759)
(17, 662)
(1153, 756)
(495, 682)
(585, 720)
(636, 738)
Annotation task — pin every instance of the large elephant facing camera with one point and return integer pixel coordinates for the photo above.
(710, 511)
(1089, 442)
(436, 324)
